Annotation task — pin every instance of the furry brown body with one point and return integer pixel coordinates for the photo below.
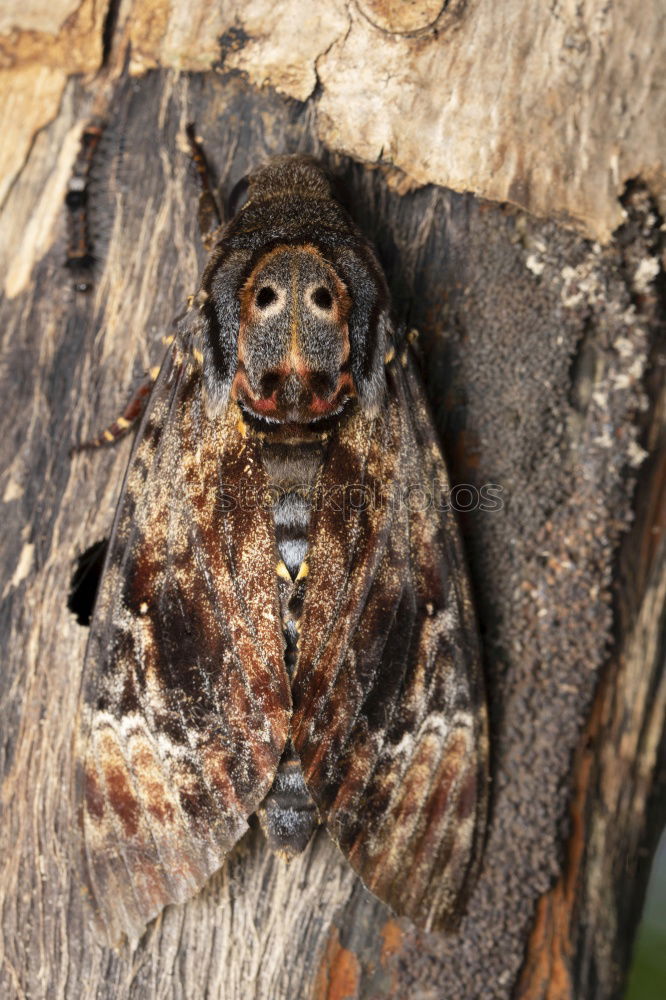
(284, 620)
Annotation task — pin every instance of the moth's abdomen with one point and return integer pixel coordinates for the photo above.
(288, 815)
(292, 466)
(291, 516)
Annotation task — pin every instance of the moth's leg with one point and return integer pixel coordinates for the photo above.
(209, 213)
(124, 423)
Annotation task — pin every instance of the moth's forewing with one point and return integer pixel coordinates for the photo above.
(389, 713)
(186, 700)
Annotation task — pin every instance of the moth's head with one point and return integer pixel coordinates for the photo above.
(296, 309)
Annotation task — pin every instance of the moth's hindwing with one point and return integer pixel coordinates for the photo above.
(389, 713)
(186, 700)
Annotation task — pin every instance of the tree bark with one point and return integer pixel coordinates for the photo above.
(543, 357)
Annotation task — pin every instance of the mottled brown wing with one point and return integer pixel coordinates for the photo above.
(389, 711)
(186, 703)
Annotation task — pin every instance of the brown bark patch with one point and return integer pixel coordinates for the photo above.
(339, 975)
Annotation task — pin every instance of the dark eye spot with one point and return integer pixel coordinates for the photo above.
(265, 296)
(322, 384)
(322, 298)
(269, 383)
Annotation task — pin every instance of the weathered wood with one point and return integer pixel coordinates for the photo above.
(542, 357)
(551, 108)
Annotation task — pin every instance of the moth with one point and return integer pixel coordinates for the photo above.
(284, 626)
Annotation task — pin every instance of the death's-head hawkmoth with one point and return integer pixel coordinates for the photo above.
(284, 625)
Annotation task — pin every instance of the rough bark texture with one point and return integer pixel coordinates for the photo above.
(552, 108)
(543, 355)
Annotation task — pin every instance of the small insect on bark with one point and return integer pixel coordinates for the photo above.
(284, 625)
(80, 258)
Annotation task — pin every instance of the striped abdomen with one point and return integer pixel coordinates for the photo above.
(288, 815)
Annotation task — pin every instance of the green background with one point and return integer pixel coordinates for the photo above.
(647, 979)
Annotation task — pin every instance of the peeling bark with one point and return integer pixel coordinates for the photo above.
(553, 109)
